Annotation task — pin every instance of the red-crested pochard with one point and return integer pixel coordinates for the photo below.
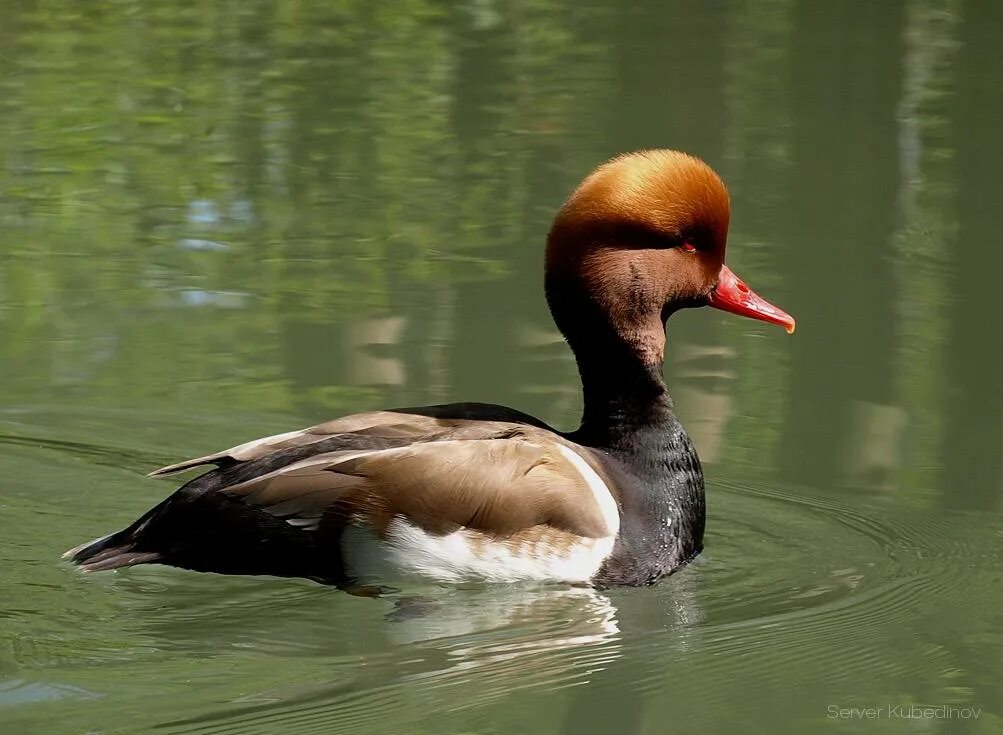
(473, 491)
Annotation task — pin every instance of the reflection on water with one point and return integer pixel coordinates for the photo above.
(492, 642)
(221, 223)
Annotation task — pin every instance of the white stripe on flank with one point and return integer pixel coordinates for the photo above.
(603, 497)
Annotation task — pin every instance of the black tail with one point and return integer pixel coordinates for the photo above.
(110, 552)
(202, 528)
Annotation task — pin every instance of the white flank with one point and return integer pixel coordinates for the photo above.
(468, 555)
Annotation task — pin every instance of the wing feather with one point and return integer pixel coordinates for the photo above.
(498, 486)
(471, 466)
(379, 424)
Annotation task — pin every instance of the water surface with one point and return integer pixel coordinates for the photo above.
(222, 222)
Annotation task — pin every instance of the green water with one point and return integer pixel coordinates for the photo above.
(221, 222)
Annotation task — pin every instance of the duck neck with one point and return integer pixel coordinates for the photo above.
(619, 351)
(622, 385)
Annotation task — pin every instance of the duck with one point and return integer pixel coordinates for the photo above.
(475, 492)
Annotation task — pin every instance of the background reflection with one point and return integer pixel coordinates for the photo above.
(221, 221)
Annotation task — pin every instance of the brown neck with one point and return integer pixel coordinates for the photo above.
(620, 363)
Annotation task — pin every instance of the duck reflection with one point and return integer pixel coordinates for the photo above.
(284, 615)
(542, 619)
(483, 643)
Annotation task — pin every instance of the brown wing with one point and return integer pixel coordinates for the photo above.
(410, 423)
(258, 448)
(498, 486)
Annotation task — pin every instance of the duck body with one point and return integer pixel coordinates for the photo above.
(316, 503)
(478, 492)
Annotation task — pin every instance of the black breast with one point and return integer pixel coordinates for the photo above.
(661, 494)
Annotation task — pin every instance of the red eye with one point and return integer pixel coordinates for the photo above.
(688, 247)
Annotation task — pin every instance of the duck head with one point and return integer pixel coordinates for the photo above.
(643, 236)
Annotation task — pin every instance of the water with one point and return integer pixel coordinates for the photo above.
(222, 222)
